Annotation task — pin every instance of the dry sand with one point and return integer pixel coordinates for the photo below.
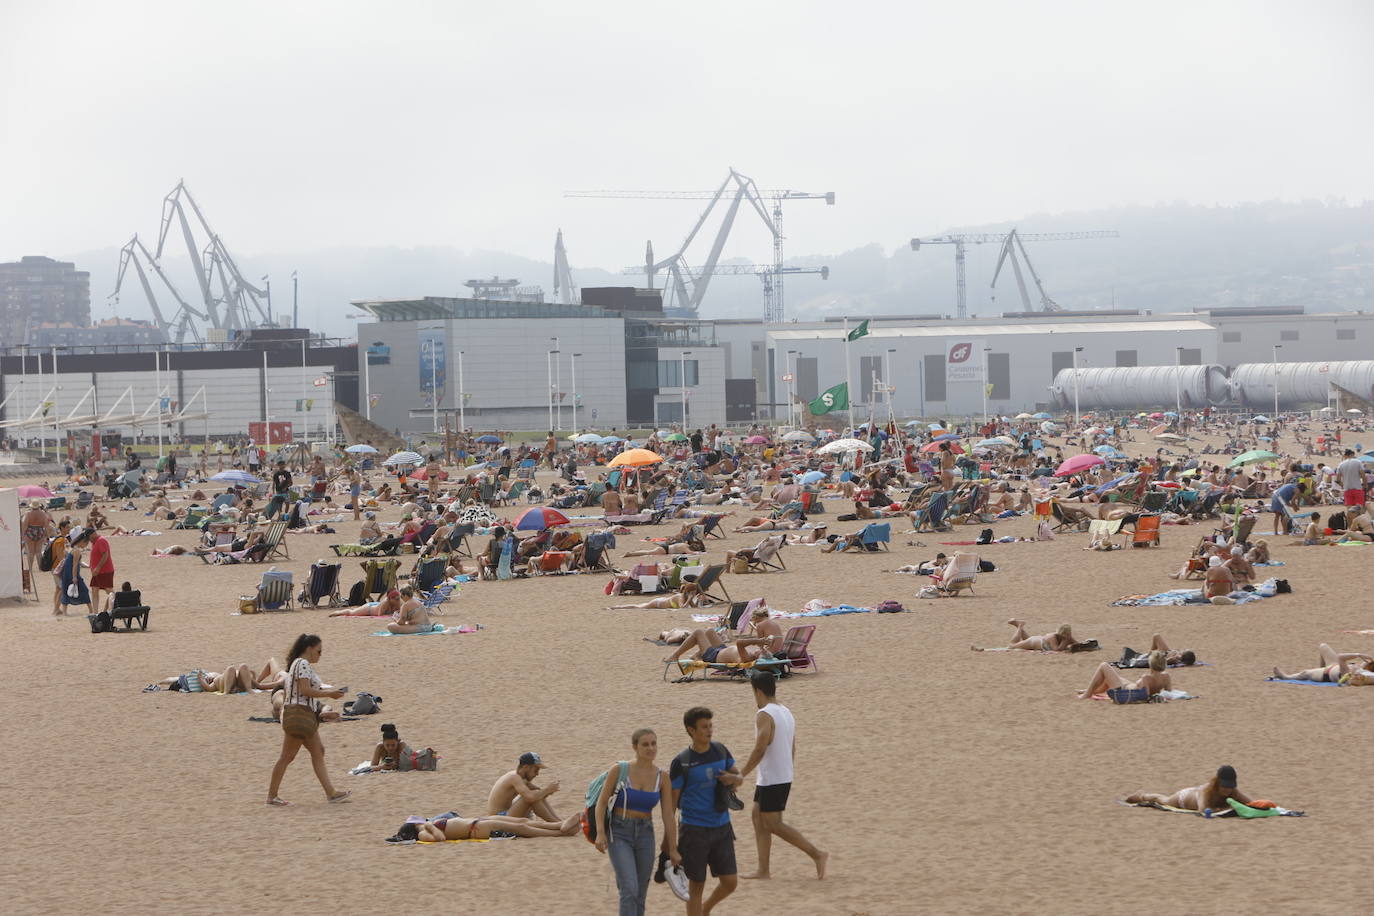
(941, 780)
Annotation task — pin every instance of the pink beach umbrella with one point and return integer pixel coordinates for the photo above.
(1078, 463)
(32, 491)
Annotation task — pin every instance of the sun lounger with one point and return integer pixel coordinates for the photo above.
(323, 586)
(128, 606)
(963, 573)
(275, 591)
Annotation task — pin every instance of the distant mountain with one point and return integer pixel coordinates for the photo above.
(1169, 258)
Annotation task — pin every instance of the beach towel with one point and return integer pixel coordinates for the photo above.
(1209, 814)
(438, 630)
(1286, 680)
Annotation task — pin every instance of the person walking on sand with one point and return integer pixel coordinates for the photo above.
(775, 749)
(705, 836)
(300, 717)
(102, 570)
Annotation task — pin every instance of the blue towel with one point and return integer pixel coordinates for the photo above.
(1284, 680)
(438, 629)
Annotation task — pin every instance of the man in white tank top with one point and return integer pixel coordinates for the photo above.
(775, 748)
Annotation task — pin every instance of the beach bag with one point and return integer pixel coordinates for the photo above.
(1281, 587)
(418, 760)
(890, 607)
(45, 560)
(739, 565)
(365, 704)
(1043, 532)
(101, 623)
(985, 536)
(986, 566)
(928, 591)
(299, 722)
(248, 604)
(594, 793)
(357, 595)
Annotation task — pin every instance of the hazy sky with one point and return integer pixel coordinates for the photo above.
(304, 125)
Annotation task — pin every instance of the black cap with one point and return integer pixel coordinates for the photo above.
(531, 759)
(1226, 777)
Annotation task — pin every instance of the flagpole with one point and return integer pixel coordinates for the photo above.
(848, 378)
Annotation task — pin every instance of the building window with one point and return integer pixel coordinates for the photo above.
(1345, 333)
(999, 376)
(807, 378)
(870, 368)
(670, 373)
(1126, 358)
(1288, 335)
(935, 378)
(1189, 356)
(1059, 361)
(1230, 336)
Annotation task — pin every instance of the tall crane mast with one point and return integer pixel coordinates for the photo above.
(563, 289)
(687, 286)
(960, 241)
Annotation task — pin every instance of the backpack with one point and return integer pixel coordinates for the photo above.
(594, 794)
(890, 607)
(101, 623)
(45, 560)
(357, 595)
(985, 536)
(418, 760)
(364, 705)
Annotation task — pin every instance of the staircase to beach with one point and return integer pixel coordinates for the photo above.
(357, 428)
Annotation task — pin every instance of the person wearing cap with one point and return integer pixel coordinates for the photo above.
(517, 795)
(1210, 796)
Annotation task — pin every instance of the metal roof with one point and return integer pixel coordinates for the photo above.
(998, 330)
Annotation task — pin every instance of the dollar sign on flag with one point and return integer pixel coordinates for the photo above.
(828, 399)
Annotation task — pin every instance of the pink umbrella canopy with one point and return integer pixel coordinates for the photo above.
(32, 491)
(756, 440)
(1078, 463)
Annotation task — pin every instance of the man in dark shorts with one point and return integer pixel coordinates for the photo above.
(281, 487)
(774, 749)
(705, 836)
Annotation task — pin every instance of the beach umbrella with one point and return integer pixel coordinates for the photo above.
(946, 437)
(1159, 428)
(1141, 416)
(954, 447)
(844, 445)
(1253, 456)
(477, 514)
(1025, 416)
(799, 435)
(1168, 484)
(236, 476)
(1171, 437)
(635, 458)
(1170, 413)
(537, 518)
(912, 423)
(756, 440)
(1093, 431)
(811, 477)
(1109, 451)
(1259, 418)
(1078, 463)
(405, 458)
(33, 491)
(1156, 416)
(1354, 411)
(1049, 426)
(991, 444)
(361, 449)
(587, 437)
(423, 474)
(1041, 415)
(1265, 438)
(609, 440)
(674, 437)
(663, 432)
(489, 439)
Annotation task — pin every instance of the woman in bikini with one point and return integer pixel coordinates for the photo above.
(1107, 678)
(1334, 666)
(387, 607)
(1211, 795)
(1061, 640)
(482, 828)
(413, 616)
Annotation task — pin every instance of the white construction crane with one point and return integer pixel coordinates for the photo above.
(228, 300)
(563, 289)
(961, 240)
(767, 273)
(686, 286)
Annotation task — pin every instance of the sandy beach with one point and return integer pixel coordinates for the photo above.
(941, 780)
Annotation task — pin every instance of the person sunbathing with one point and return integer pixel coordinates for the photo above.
(485, 827)
(387, 607)
(277, 699)
(1210, 796)
(413, 616)
(758, 523)
(1133, 659)
(1334, 666)
(814, 535)
(1061, 640)
(1358, 525)
(1219, 582)
(839, 543)
(926, 567)
(763, 636)
(688, 595)
(676, 549)
(388, 751)
(1107, 678)
(1241, 570)
(233, 679)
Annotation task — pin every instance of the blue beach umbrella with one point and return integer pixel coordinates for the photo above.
(235, 476)
(812, 477)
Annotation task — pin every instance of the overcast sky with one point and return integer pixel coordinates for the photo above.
(305, 125)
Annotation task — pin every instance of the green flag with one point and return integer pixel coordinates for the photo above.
(860, 331)
(836, 398)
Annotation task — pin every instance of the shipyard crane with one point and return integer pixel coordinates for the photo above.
(767, 273)
(563, 289)
(178, 326)
(960, 241)
(685, 286)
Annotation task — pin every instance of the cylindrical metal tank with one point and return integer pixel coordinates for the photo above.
(1252, 384)
(1143, 386)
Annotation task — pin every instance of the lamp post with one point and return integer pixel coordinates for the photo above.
(1277, 348)
(554, 384)
(574, 391)
(304, 391)
(434, 386)
(685, 354)
(367, 380)
(157, 393)
(462, 398)
(552, 351)
(1076, 351)
(986, 351)
(1178, 383)
(792, 411)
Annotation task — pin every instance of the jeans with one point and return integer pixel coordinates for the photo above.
(632, 856)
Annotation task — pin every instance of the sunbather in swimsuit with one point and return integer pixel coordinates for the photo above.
(1335, 665)
(488, 826)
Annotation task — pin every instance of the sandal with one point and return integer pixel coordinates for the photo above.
(276, 802)
(342, 796)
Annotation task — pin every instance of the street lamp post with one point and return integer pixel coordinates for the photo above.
(1076, 351)
(462, 398)
(434, 386)
(305, 392)
(1277, 348)
(986, 351)
(554, 386)
(573, 362)
(157, 393)
(685, 354)
(792, 411)
(1178, 383)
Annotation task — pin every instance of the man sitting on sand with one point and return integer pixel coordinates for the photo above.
(515, 794)
(1062, 640)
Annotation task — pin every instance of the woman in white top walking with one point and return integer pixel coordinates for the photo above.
(300, 717)
(775, 749)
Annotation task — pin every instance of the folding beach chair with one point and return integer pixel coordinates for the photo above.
(429, 573)
(1154, 501)
(962, 574)
(796, 648)
(875, 536)
(379, 576)
(323, 586)
(128, 606)
(709, 579)
(550, 563)
(1146, 532)
(768, 554)
(274, 592)
(594, 553)
(710, 526)
(458, 537)
(274, 541)
(1101, 531)
(933, 517)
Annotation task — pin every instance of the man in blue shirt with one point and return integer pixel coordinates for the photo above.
(1286, 495)
(705, 836)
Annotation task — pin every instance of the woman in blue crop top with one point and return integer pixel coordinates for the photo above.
(625, 824)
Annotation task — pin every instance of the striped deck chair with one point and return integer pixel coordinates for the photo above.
(709, 579)
(275, 591)
(933, 518)
(429, 573)
(768, 555)
(1101, 531)
(379, 576)
(323, 586)
(275, 541)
